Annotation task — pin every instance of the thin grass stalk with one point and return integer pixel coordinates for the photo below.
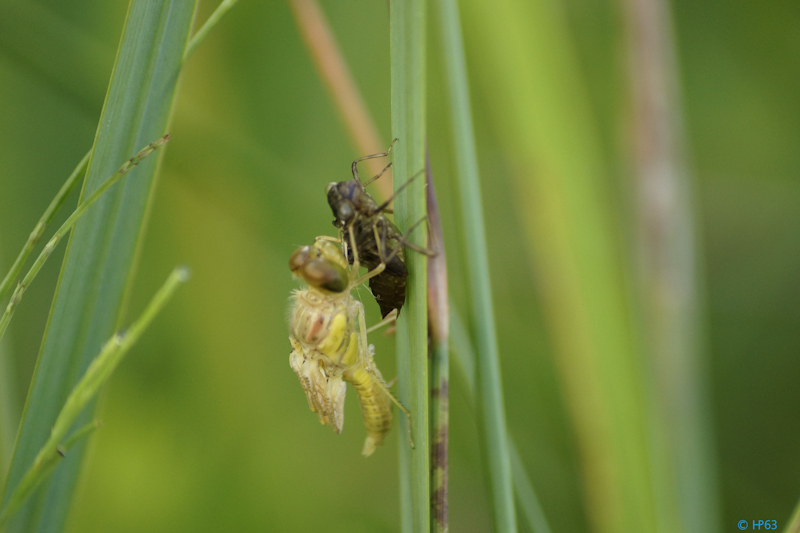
(528, 501)
(101, 368)
(407, 44)
(334, 72)
(68, 224)
(212, 21)
(46, 218)
(668, 278)
(489, 398)
(438, 335)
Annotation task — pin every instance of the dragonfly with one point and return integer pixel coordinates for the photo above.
(365, 229)
(329, 342)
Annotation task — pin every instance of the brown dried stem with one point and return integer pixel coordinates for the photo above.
(438, 337)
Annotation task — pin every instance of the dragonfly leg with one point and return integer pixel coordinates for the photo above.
(391, 317)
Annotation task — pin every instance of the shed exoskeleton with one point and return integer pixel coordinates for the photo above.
(378, 243)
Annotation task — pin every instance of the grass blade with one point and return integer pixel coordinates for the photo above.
(489, 392)
(96, 375)
(37, 232)
(100, 256)
(67, 225)
(407, 44)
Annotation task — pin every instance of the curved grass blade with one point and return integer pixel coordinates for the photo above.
(100, 257)
(37, 232)
(68, 224)
(407, 45)
(95, 376)
(489, 392)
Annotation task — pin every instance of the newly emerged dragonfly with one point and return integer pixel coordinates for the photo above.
(329, 342)
(378, 242)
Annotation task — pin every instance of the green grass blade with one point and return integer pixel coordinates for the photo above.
(407, 44)
(37, 232)
(201, 34)
(100, 256)
(489, 393)
(95, 376)
(67, 225)
(544, 119)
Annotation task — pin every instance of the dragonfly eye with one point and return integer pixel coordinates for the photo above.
(325, 275)
(299, 258)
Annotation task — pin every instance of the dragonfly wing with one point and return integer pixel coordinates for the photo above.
(336, 389)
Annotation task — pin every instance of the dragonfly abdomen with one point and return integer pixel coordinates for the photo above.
(375, 405)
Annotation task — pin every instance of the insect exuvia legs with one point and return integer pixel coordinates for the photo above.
(354, 166)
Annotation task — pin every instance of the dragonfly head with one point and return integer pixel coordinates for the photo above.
(319, 266)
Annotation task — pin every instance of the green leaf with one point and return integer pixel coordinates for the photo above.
(407, 42)
(100, 256)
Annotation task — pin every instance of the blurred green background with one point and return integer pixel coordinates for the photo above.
(205, 427)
